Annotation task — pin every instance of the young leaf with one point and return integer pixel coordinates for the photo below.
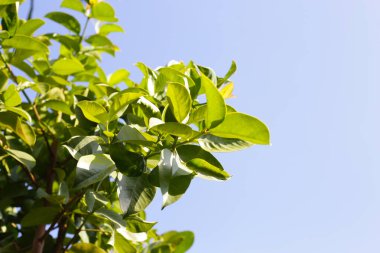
(179, 101)
(92, 169)
(67, 66)
(110, 28)
(93, 111)
(30, 26)
(230, 72)
(11, 121)
(103, 11)
(65, 20)
(216, 107)
(244, 127)
(25, 42)
(75, 5)
(11, 96)
(118, 76)
(202, 162)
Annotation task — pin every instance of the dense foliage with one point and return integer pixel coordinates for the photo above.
(82, 157)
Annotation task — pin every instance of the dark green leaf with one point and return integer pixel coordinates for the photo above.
(202, 162)
(65, 20)
(111, 216)
(20, 112)
(136, 224)
(242, 126)
(40, 215)
(135, 193)
(129, 163)
(92, 169)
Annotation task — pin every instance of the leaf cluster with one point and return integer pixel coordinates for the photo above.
(84, 152)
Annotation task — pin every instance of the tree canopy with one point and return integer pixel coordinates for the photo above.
(83, 153)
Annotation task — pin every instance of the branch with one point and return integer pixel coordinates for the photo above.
(31, 8)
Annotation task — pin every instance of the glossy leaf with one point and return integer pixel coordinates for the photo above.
(179, 101)
(92, 169)
(67, 66)
(244, 127)
(79, 146)
(118, 76)
(214, 143)
(75, 5)
(103, 11)
(23, 130)
(6, 2)
(202, 162)
(122, 245)
(25, 42)
(11, 96)
(65, 20)
(30, 26)
(129, 163)
(110, 28)
(22, 157)
(135, 193)
(93, 111)
(216, 107)
(20, 112)
(230, 72)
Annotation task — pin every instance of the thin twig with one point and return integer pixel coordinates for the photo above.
(31, 8)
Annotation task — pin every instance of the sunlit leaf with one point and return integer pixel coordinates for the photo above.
(93, 111)
(25, 42)
(65, 20)
(67, 66)
(179, 101)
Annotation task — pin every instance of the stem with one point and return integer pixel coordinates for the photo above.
(77, 231)
(84, 30)
(31, 8)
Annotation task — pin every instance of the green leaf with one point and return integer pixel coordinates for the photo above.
(103, 11)
(40, 215)
(30, 26)
(67, 66)
(20, 112)
(110, 28)
(11, 96)
(22, 157)
(118, 76)
(230, 72)
(216, 107)
(25, 42)
(11, 121)
(129, 163)
(65, 20)
(180, 241)
(136, 224)
(214, 143)
(135, 193)
(59, 106)
(202, 162)
(120, 103)
(94, 111)
(75, 5)
(111, 216)
(80, 146)
(92, 169)
(6, 2)
(85, 248)
(173, 128)
(122, 245)
(4, 34)
(242, 126)
(174, 177)
(179, 101)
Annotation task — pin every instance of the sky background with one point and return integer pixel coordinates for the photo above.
(311, 71)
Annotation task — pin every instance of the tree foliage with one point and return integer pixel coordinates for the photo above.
(83, 153)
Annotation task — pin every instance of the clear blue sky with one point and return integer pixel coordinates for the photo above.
(311, 71)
